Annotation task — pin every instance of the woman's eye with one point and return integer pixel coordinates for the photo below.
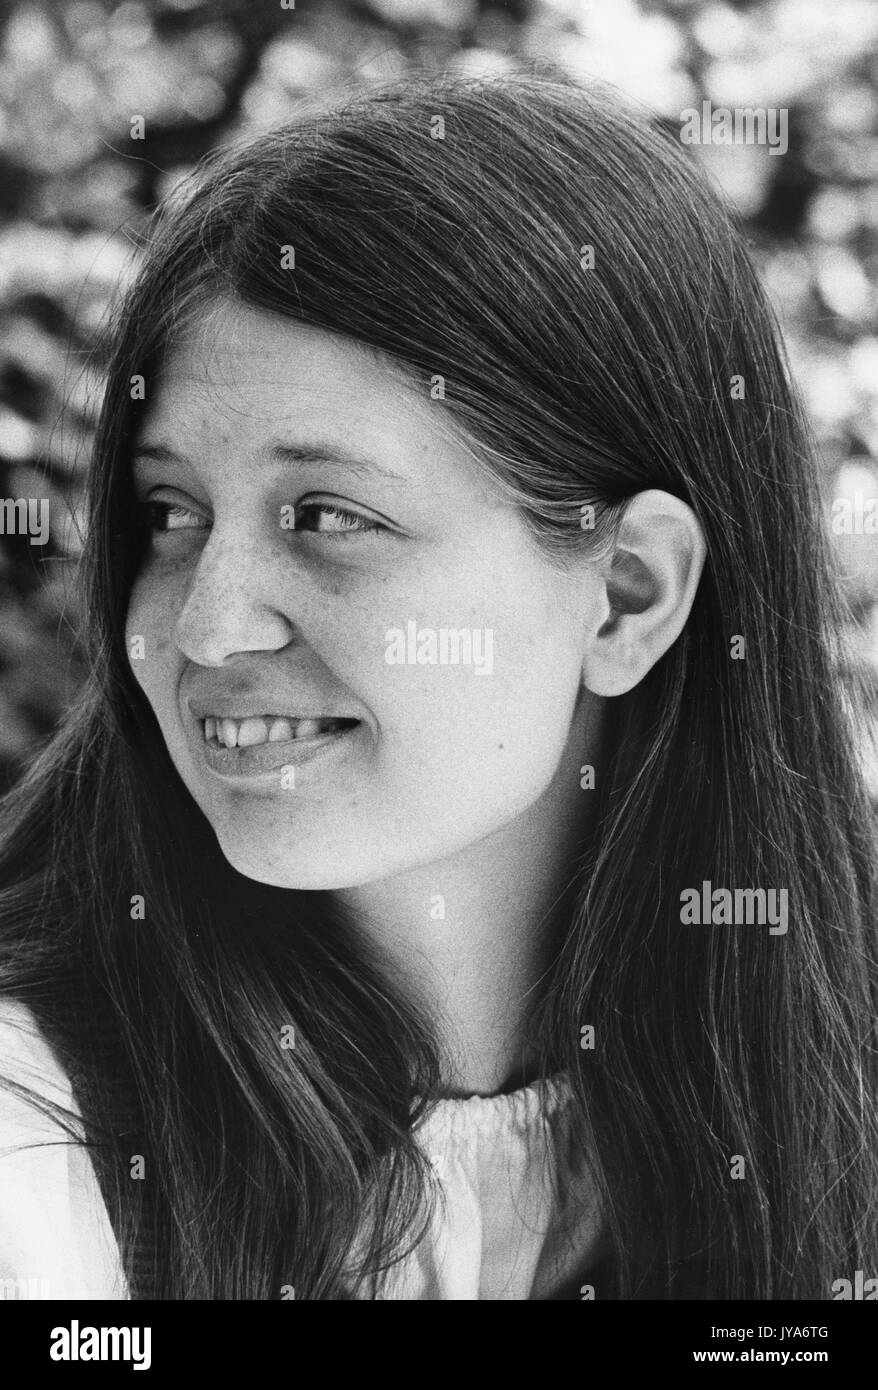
(170, 516)
(323, 518)
(327, 519)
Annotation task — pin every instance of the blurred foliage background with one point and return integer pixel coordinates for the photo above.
(76, 190)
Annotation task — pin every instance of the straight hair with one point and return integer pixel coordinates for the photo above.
(588, 299)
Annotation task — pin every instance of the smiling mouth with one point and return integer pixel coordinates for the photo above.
(251, 731)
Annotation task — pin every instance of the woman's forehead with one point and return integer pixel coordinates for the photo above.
(244, 379)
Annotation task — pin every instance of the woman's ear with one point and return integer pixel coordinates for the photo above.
(649, 587)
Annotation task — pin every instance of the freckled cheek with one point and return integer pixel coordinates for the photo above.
(485, 725)
(444, 715)
(149, 628)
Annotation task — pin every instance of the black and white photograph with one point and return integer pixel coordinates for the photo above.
(439, 666)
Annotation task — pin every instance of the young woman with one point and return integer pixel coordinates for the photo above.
(456, 880)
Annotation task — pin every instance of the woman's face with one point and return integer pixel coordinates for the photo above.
(317, 532)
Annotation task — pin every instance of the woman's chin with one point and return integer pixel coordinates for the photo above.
(282, 872)
(290, 866)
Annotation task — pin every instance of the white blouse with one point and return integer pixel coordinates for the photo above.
(516, 1215)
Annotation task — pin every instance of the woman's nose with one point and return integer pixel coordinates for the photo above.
(234, 603)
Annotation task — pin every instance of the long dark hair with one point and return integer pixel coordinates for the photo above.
(577, 377)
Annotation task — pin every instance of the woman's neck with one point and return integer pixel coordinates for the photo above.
(472, 937)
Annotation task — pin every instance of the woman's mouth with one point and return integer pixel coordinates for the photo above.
(250, 731)
(251, 744)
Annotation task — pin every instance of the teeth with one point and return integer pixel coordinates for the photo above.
(245, 733)
(252, 731)
(308, 728)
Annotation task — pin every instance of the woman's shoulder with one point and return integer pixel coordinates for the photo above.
(27, 1062)
(55, 1236)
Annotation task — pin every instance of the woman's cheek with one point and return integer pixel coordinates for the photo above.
(149, 638)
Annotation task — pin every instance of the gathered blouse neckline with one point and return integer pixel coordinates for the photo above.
(510, 1111)
(514, 1211)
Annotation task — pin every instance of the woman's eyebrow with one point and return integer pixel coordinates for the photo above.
(280, 451)
(330, 453)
